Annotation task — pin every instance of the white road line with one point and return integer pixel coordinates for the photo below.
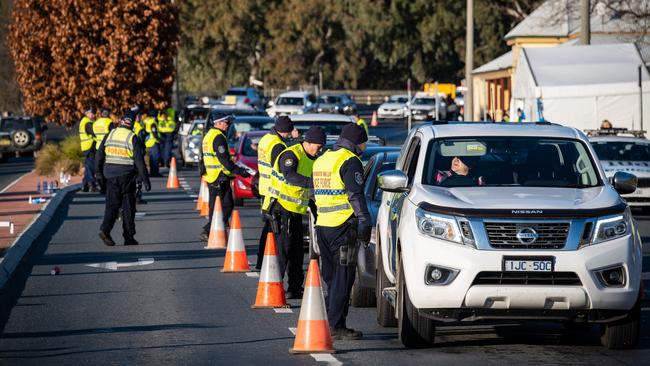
(194, 195)
(283, 311)
(140, 214)
(293, 330)
(252, 274)
(645, 276)
(326, 357)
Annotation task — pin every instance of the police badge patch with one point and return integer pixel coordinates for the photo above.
(221, 149)
(288, 162)
(358, 178)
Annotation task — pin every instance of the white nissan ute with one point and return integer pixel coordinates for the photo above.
(485, 221)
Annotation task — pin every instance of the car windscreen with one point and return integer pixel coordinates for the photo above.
(240, 93)
(398, 100)
(195, 113)
(237, 129)
(329, 99)
(289, 101)
(509, 161)
(11, 124)
(250, 146)
(622, 150)
(424, 101)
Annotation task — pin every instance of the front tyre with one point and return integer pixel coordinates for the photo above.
(624, 333)
(385, 311)
(414, 330)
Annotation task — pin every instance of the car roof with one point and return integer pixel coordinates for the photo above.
(255, 133)
(254, 119)
(322, 117)
(619, 138)
(486, 129)
(294, 94)
(399, 96)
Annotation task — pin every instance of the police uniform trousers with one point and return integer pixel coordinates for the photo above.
(221, 188)
(290, 248)
(167, 147)
(154, 160)
(120, 193)
(89, 168)
(339, 279)
(266, 229)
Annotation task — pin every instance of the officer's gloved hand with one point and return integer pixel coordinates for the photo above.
(202, 170)
(147, 186)
(363, 232)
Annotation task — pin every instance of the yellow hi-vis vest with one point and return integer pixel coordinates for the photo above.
(213, 166)
(264, 163)
(137, 127)
(166, 123)
(100, 128)
(293, 198)
(119, 146)
(332, 202)
(151, 140)
(86, 139)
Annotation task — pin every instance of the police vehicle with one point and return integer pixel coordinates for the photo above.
(622, 150)
(506, 221)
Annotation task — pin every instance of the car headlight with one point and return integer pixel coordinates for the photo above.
(191, 145)
(450, 228)
(612, 227)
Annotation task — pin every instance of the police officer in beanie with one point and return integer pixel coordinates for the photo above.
(120, 161)
(292, 177)
(343, 222)
(268, 149)
(218, 169)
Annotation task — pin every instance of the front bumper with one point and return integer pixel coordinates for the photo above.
(461, 293)
(391, 114)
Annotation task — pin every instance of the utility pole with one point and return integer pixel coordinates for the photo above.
(585, 23)
(408, 104)
(468, 115)
(641, 97)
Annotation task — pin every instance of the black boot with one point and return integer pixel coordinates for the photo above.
(106, 238)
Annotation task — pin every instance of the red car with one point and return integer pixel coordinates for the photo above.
(246, 153)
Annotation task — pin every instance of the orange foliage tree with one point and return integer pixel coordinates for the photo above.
(72, 54)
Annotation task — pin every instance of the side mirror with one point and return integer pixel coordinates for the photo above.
(393, 181)
(624, 183)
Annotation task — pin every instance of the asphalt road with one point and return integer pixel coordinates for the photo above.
(181, 309)
(13, 169)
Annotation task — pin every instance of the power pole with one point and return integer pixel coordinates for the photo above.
(469, 62)
(585, 23)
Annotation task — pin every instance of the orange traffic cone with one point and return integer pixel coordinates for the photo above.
(270, 290)
(373, 121)
(205, 201)
(236, 258)
(217, 238)
(199, 199)
(172, 179)
(313, 333)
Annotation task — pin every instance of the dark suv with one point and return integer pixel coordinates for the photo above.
(21, 134)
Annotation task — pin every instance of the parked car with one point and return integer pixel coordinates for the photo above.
(396, 107)
(620, 150)
(295, 102)
(336, 103)
(243, 97)
(20, 135)
(423, 107)
(499, 221)
(246, 153)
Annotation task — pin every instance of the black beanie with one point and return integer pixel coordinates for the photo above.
(283, 124)
(354, 133)
(315, 135)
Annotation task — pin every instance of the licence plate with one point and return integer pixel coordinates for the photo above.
(519, 264)
(639, 192)
(230, 99)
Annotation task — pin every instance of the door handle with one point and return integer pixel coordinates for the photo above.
(387, 203)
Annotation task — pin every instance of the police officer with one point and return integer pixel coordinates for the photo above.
(101, 127)
(292, 175)
(120, 159)
(138, 129)
(87, 139)
(343, 222)
(152, 143)
(218, 169)
(268, 149)
(167, 128)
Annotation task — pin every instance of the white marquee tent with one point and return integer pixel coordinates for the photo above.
(579, 86)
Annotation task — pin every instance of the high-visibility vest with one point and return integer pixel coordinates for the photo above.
(332, 202)
(137, 127)
(166, 122)
(119, 146)
(86, 139)
(265, 165)
(293, 198)
(100, 128)
(151, 140)
(213, 166)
